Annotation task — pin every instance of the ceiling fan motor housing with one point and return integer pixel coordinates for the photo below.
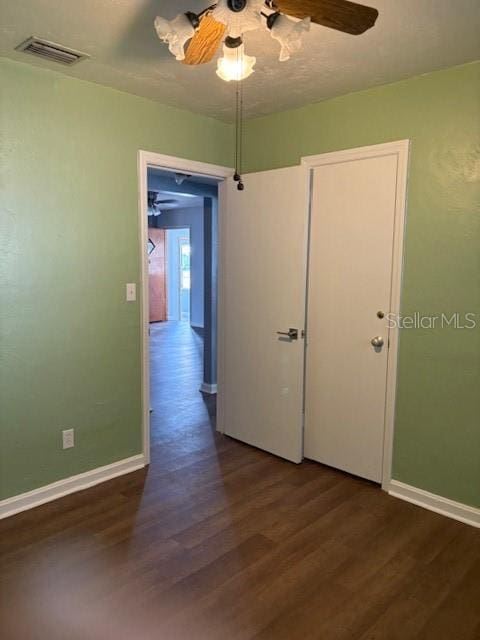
(237, 5)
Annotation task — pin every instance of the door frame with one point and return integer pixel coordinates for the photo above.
(146, 160)
(401, 149)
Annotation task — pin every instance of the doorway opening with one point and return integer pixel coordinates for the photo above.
(169, 274)
(182, 246)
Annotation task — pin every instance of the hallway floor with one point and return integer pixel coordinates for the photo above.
(179, 409)
(218, 540)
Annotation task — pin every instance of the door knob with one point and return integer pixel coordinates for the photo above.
(291, 333)
(377, 342)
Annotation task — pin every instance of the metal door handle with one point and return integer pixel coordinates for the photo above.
(378, 341)
(291, 333)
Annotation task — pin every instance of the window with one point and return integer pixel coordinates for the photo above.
(185, 252)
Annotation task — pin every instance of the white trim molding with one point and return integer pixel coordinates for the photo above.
(432, 502)
(400, 149)
(146, 160)
(208, 388)
(61, 488)
(355, 153)
(183, 165)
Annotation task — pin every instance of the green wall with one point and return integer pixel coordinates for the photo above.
(437, 431)
(69, 343)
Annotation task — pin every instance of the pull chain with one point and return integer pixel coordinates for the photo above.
(238, 134)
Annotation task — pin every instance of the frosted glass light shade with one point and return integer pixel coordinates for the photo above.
(238, 22)
(289, 33)
(175, 32)
(235, 64)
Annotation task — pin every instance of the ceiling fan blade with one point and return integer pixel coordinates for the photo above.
(204, 44)
(341, 15)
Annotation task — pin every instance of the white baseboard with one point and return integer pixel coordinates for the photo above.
(208, 388)
(55, 490)
(444, 506)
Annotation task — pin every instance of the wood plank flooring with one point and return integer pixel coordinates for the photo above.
(218, 540)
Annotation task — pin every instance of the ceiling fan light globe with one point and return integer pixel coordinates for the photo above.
(235, 64)
(289, 34)
(175, 33)
(154, 210)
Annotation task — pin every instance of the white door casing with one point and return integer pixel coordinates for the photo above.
(145, 160)
(356, 234)
(263, 241)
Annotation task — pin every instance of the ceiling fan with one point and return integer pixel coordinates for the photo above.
(228, 20)
(156, 203)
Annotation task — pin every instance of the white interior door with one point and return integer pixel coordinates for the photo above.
(349, 299)
(263, 233)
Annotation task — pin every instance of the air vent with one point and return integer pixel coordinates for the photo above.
(51, 51)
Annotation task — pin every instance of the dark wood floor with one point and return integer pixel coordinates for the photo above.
(218, 540)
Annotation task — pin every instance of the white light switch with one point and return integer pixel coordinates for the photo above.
(131, 292)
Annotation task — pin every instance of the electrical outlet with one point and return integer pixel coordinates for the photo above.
(68, 438)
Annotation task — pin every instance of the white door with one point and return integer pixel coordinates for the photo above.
(263, 233)
(349, 299)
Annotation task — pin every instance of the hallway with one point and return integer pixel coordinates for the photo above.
(180, 411)
(220, 540)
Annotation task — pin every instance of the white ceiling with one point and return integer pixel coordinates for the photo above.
(411, 37)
